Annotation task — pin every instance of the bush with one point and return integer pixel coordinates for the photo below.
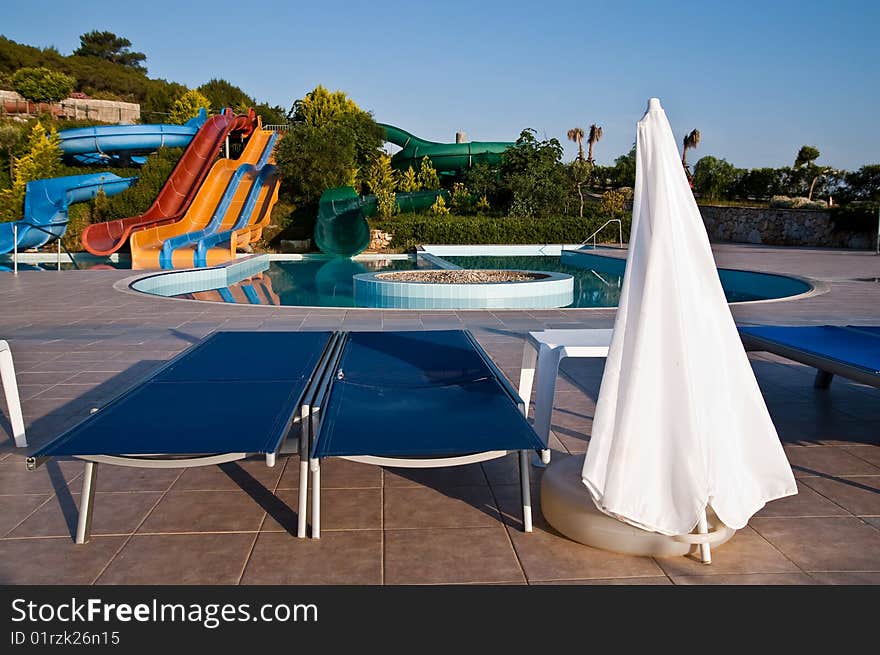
(187, 106)
(439, 207)
(857, 216)
(43, 84)
(782, 202)
(413, 229)
(138, 198)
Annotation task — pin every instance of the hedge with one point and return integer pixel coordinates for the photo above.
(409, 230)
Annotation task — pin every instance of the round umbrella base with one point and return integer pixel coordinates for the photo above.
(567, 505)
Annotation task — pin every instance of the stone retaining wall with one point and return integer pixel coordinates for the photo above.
(778, 227)
(106, 111)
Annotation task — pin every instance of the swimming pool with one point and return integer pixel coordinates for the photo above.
(322, 281)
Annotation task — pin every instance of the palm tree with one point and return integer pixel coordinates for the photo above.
(576, 134)
(691, 141)
(595, 135)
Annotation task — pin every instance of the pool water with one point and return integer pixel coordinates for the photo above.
(321, 281)
(314, 282)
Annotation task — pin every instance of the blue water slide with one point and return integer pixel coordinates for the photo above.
(200, 258)
(46, 204)
(123, 144)
(184, 240)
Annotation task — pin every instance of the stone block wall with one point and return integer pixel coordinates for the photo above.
(779, 227)
(106, 111)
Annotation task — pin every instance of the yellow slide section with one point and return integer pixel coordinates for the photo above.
(146, 245)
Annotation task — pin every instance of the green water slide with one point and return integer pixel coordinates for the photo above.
(447, 158)
(342, 228)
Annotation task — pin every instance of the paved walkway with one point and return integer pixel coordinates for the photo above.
(78, 342)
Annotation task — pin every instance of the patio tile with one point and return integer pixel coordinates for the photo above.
(828, 460)
(648, 580)
(55, 561)
(823, 544)
(805, 503)
(450, 556)
(335, 474)
(859, 495)
(343, 557)
(847, 578)
(206, 511)
(341, 509)
(444, 477)
(242, 474)
(870, 454)
(128, 478)
(454, 507)
(745, 579)
(115, 513)
(746, 552)
(14, 509)
(53, 477)
(179, 559)
(548, 556)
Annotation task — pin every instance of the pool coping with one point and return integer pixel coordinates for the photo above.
(125, 285)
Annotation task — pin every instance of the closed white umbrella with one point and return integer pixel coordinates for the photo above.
(680, 424)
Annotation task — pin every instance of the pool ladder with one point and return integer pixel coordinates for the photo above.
(592, 237)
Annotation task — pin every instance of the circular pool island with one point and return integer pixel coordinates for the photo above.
(463, 289)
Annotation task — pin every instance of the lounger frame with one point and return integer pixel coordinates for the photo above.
(178, 461)
(826, 368)
(311, 432)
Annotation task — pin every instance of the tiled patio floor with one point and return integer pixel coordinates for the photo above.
(77, 342)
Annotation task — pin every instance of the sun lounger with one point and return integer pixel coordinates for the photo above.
(233, 394)
(417, 400)
(852, 351)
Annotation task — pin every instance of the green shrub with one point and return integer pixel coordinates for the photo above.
(79, 218)
(439, 207)
(43, 84)
(138, 198)
(413, 229)
(859, 216)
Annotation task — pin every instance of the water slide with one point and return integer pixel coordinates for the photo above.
(229, 196)
(447, 158)
(46, 205)
(179, 191)
(126, 144)
(341, 227)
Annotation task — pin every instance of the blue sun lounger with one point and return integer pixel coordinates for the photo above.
(852, 351)
(231, 395)
(417, 400)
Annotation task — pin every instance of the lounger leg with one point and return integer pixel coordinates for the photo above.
(303, 498)
(823, 379)
(525, 488)
(705, 549)
(10, 388)
(548, 369)
(315, 467)
(86, 504)
(527, 375)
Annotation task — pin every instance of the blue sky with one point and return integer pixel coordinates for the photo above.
(758, 79)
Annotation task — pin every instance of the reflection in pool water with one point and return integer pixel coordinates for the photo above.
(319, 281)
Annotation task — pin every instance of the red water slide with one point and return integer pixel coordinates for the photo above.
(179, 191)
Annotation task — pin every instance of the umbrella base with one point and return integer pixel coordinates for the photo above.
(567, 506)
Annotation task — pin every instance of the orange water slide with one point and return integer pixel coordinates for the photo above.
(179, 191)
(147, 245)
(239, 237)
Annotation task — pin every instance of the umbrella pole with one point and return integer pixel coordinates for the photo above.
(705, 549)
